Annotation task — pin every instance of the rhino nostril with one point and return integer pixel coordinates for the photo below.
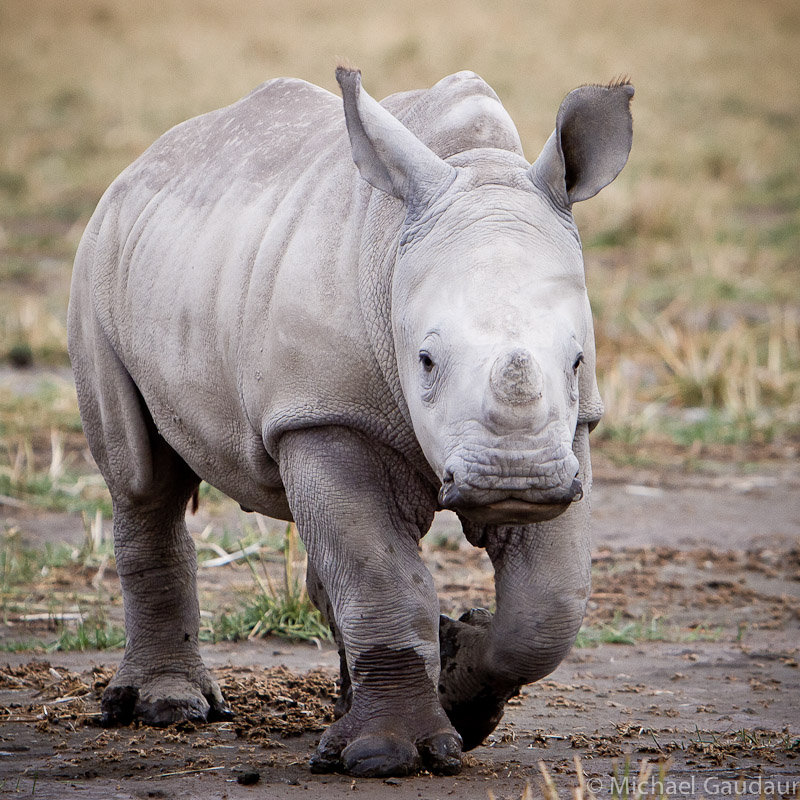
(447, 487)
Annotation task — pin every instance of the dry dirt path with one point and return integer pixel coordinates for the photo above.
(707, 567)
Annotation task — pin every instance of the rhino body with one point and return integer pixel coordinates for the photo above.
(352, 320)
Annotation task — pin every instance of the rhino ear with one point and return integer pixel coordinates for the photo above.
(591, 142)
(387, 154)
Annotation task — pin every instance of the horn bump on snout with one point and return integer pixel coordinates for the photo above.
(516, 378)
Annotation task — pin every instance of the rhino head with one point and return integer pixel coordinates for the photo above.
(491, 321)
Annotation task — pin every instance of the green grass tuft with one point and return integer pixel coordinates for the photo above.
(20, 565)
(632, 632)
(92, 634)
(283, 611)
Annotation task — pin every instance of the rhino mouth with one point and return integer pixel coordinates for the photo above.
(508, 509)
(501, 486)
(513, 512)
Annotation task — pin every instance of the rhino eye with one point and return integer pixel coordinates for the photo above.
(426, 361)
(578, 362)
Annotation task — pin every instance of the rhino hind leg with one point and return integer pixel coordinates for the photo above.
(161, 678)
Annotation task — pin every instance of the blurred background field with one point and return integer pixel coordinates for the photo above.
(693, 269)
(692, 254)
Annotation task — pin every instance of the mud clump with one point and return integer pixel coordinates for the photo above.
(46, 696)
(278, 701)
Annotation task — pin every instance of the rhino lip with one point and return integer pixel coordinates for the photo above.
(513, 512)
(508, 510)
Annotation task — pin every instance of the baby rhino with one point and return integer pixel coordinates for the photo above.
(353, 317)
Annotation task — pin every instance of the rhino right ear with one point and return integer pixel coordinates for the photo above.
(387, 154)
(590, 145)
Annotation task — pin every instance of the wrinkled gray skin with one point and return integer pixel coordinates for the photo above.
(353, 345)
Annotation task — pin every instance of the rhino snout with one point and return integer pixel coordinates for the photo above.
(455, 496)
(508, 499)
(516, 379)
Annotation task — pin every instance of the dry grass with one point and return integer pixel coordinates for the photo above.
(625, 782)
(692, 255)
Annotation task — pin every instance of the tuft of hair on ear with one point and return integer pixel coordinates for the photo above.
(620, 80)
(614, 83)
(345, 71)
(346, 64)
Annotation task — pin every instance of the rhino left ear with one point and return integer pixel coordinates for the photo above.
(387, 154)
(591, 142)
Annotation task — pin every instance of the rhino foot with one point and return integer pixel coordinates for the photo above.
(163, 700)
(479, 716)
(382, 753)
(473, 701)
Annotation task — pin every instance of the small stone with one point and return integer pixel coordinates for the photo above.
(248, 778)
(392, 781)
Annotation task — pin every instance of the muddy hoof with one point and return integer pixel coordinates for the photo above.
(219, 711)
(117, 706)
(473, 701)
(162, 711)
(380, 757)
(156, 705)
(441, 753)
(328, 756)
(480, 617)
(476, 719)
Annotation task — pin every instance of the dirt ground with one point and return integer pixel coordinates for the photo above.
(708, 567)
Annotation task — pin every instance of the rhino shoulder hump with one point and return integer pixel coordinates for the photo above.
(462, 112)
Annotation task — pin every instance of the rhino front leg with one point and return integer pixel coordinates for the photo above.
(319, 597)
(361, 512)
(542, 585)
